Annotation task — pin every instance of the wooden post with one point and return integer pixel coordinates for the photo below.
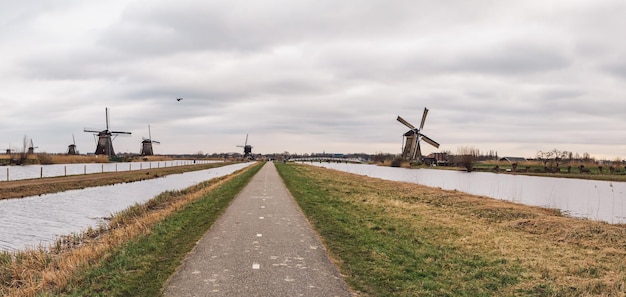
(7, 173)
(65, 170)
(85, 169)
(102, 166)
(41, 172)
(115, 167)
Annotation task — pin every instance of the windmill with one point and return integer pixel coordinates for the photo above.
(105, 138)
(146, 144)
(71, 149)
(247, 149)
(411, 147)
(31, 148)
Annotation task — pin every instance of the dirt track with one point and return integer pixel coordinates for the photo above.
(39, 186)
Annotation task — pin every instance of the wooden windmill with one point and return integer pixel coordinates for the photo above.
(247, 149)
(411, 140)
(146, 144)
(105, 138)
(71, 149)
(31, 148)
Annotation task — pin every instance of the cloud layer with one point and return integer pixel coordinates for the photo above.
(311, 76)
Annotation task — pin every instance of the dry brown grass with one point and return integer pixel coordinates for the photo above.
(571, 256)
(34, 271)
(72, 159)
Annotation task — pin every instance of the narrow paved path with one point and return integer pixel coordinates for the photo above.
(261, 246)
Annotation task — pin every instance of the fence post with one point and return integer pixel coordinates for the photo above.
(115, 167)
(7, 173)
(41, 172)
(102, 168)
(65, 169)
(85, 169)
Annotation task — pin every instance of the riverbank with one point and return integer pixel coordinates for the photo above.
(40, 186)
(132, 255)
(401, 239)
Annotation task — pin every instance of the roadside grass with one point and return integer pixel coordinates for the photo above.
(141, 266)
(132, 255)
(399, 239)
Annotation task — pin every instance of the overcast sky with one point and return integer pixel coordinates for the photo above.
(306, 76)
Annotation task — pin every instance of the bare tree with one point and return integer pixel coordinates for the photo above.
(18, 157)
(466, 156)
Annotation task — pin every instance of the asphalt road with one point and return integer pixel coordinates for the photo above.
(261, 246)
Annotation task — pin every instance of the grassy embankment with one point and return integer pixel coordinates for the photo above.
(132, 255)
(399, 239)
(31, 187)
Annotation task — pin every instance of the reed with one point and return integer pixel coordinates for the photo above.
(48, 271)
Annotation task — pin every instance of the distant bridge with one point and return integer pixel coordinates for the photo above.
(326, 159)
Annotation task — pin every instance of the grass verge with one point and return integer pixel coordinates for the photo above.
(133, 255)
(399, 239)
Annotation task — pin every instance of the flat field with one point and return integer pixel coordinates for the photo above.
(401, 239)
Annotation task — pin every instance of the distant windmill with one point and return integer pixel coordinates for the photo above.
(71, 149)
(31, 148)
(146, 144)
(411, 147)
(105, 138)
(247, 149)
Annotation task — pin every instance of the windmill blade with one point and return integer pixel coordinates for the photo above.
(157, 142)
(430, 141)
(91, 131)
(401, 120)
(73, 139)
(106, 112)
(120, 132)
(424, 118)
(246, 143)
(149, 132)
(417, 153)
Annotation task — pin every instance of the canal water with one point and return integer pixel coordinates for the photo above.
(589, 199)
(31, 221)
(8, 173)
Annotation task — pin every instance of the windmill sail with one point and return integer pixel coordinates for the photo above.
(105, 137)
(411, 147)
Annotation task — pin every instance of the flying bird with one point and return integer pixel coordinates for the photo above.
(178, 99)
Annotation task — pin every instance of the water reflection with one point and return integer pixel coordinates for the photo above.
(27, 222)
(36, 171)
(590, 199)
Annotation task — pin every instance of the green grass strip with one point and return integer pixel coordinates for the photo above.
(141, 267)
(383, 254)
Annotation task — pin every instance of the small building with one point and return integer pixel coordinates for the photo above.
(513, 159)
(436, 159)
